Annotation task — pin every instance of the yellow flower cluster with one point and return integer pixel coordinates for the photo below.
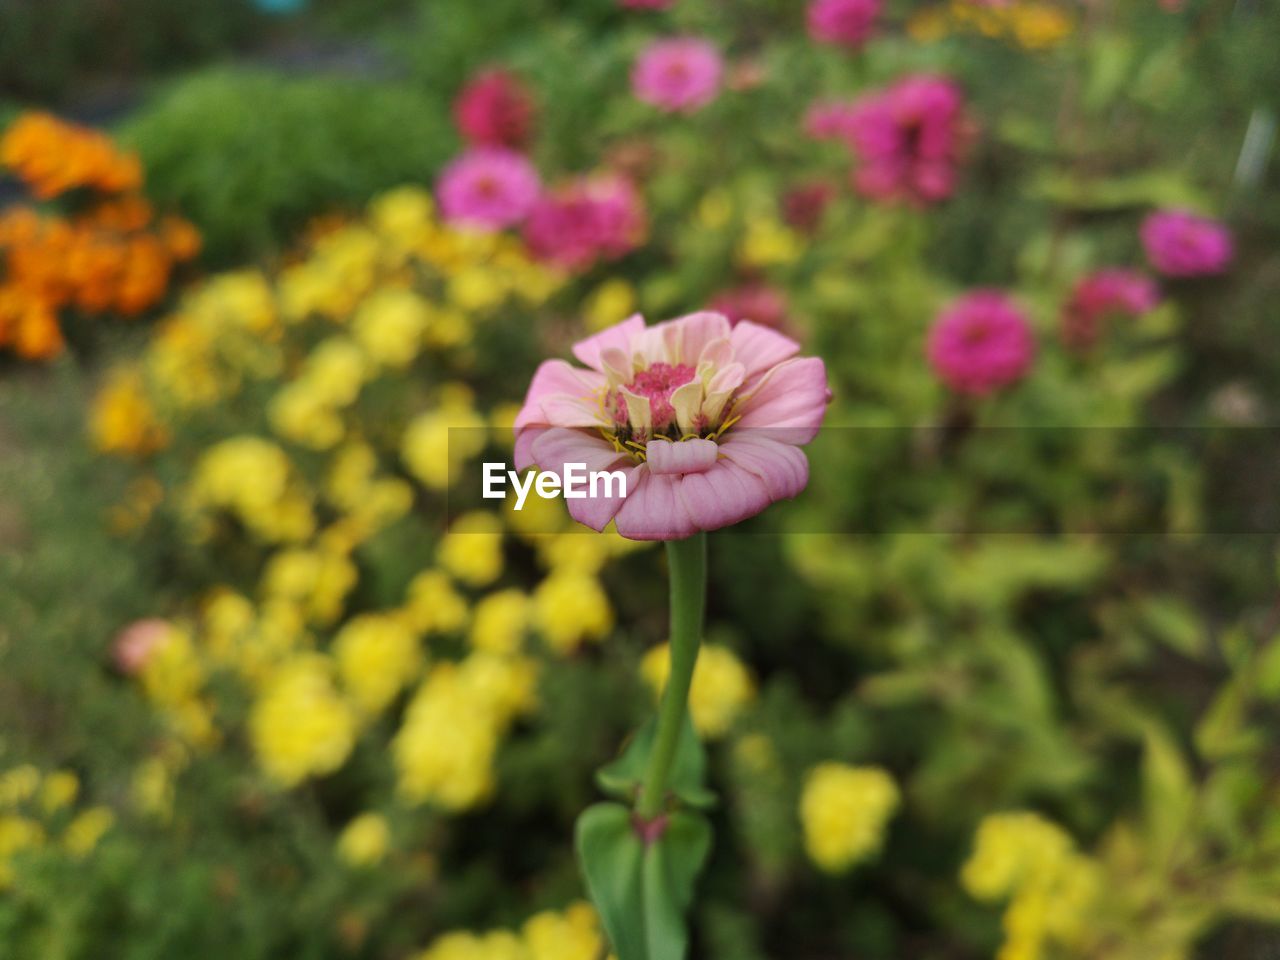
(34, 807)
(253, 480)
(1033, 863)
(573, 934)
(1031, 24)
(721, 687)
(844, 810)
(302, 726)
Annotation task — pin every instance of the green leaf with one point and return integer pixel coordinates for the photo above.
(642, 892)
(1168, 790)
(621, 779)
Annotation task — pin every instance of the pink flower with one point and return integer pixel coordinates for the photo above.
(590, 219)
(494, 110)
(488, 188)
(678, 75)
(804, 206)
(1181, 244)
(704, 420)
(758, 302)
(1100, 295)
(847, 23)
(981, 342)
(135, 644)
(907, 139)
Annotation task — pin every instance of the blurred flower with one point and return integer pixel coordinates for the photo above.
(571, 935)
(722, 686)
(704, 419)
(588, 219)
(980, 343)
(472, 549)
(611, 302)
(488, 188)
(53, 157)
(364, 841)
(570, 607)
(122, 420)
(300, 727)
(59, 791)
(681, 74)
(135, 644)
(1181, 244)
(494, 109)
(844, 810)
(847, 23)
(1100, 295)
(84, 832)
(500, 621)
(756, 301)
(769, 243)
(433, 605)
(252, 479)
(377, 657)
(389, 326)
(804, 205)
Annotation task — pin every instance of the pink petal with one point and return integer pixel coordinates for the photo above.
(695, 331)
(686, 456)
(789, 401)
(653, 511)
(555, 377)
(723, 495)
(523, 456)
(758, 348)
(783, 468)
(557, 447)
(616, 337)
(562, 410)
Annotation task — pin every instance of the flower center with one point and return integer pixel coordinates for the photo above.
(657, 383)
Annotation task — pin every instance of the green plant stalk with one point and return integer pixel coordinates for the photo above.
(687, 563)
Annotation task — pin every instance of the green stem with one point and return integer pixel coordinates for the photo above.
(687, 563)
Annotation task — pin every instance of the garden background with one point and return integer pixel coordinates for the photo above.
(1004, 681)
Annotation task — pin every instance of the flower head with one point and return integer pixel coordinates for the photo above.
(678, 75)
(844, 810)
(1181, 244)
(590, 219)
(494, 110)
(846, 23)
(488, 188)
(760, 302)
(1102, 294)
(981, 342)
(704, 419)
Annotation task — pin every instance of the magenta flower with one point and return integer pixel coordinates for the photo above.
(981, 342)
(678, 75)
(1103, 294)
(494, 110)
(1181, 244)
(705, 421)
(907, 139)
(590, 219)
(846, 23)
(488, 188)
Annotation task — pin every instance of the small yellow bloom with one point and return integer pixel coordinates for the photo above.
(472, 549)
(59, 791)
(365, 841)
(433, 605)
(843, 810)
(389, 326)
(377, 656)
(499, 622)
(84, 832)
(571, 935)
(768, 242)
(122, 420)
(721, 687)
(611, 302)
(569, 608)
(300, 727)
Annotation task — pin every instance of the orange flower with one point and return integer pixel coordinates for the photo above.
(53, 157)
(37, 335)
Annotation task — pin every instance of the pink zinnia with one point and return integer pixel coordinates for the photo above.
(488, 188)
(907, 139)
(1181, 244)
(981, 342)
(758, 302)
(705, 420)
(137, 643)
(1100, 295)
(682, 74)
(848, 23)
(494, 110)
(590, 219)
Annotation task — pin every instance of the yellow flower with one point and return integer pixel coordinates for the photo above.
(1039, 26)
(769, 242)
(389, 326)
(377, 656)
(152, 788)
(404, 217)
(721, 687)
(499, 622)
(570, 607)
(928, 24)
(611, 302)
(242, 298)
(436, 444)
(301, 414)
(316, 580)
(364, 841)
(253, 479)
(173, 674)
(18, 785)
(84, 832)
(715, 210)
(432, 604)
(476, 289)
(572, 935)
(1009, 849)
(300, 727)
(60, 790)
(335, 371)
(122, 419)
(472, 549)
(843, 810)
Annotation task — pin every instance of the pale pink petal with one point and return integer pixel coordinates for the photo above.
(525, 438)
(694, 331)
(685, 456)
(790, 401)
(596, 511)
(616, 337)
(758, 348)
(558, 446)
(551, 378)
(561, 410)
(723, 495)
(653, 511)
(783, 468)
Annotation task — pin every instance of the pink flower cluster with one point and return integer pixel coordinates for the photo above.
(589, 219)
(488, 188)
(980, 343)
(845, 23)
(1181, 244)
(494, 110)
(907, 138)
(704, 419)
(678, 75)
(1103, 294)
